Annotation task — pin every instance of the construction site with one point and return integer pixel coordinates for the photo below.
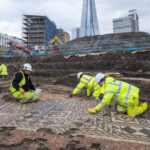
(57, 119)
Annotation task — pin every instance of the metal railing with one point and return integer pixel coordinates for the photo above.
(109, 45)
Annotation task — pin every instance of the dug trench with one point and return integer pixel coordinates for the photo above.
(56, 76)
(60, 70)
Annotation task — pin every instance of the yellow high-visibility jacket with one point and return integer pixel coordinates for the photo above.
(97, 90)
(22, 82)
(3, 70)
(85, 80)
(123, 93)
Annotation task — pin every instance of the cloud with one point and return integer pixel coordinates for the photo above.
(12, 29)
(110, 10)
(67, 13)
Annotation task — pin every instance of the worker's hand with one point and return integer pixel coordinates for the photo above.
(22, 91)
(101, 96)
(92, 110)
(70, 95)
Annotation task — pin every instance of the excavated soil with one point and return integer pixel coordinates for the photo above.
(133, 67)
(56, 76)
(112, 37)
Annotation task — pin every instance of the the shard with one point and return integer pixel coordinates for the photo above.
(89, 23)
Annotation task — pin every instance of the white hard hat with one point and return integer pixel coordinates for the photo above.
(27, 67)
(79, 74)
(99, 77)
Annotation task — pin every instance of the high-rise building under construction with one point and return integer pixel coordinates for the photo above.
(38, 30)
(89, 23)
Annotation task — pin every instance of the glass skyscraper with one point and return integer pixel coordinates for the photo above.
(89, 23)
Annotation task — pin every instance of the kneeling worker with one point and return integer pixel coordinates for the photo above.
(98, 90)
(93, 88)
(85, 80)
(22, 84)
(126, 96)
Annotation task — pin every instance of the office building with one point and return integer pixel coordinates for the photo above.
(38, 30)
(75, 33)
(129, 23)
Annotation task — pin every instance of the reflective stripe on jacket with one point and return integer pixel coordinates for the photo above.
(84, 81)
(23, 82)
(122, 92)
(107, 81)
(3, 70)
(101, 90)
(95, 88)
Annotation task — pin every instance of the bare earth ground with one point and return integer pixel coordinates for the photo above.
(58, 122)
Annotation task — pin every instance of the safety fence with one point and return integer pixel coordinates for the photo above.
(107, 44)
(137, 44)
(77, 51)
(96, 50)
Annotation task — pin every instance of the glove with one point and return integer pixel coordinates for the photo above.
(92, 110)
(22, 91)
(101, 96)
(70, 95)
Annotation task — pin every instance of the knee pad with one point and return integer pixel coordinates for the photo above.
(121, 109)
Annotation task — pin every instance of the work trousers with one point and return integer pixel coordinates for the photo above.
(133, 111)
(24, 98)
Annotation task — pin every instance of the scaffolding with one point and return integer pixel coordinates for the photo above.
(37, 30)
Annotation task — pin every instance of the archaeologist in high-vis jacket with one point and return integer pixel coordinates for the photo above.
(3, 71)
(85, 80)
(98, 91)
(22, 84)
(93, 88)
(125, 95)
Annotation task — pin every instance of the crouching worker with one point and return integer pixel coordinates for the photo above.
(85, 80)
(22, 84)
(125, 95)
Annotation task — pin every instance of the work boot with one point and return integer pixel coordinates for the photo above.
(28, 101)
(144, 106)
(34, 100)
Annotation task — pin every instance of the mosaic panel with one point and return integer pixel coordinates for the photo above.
(71, 117)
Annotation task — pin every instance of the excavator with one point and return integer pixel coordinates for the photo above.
(1, 47)
(19, 46)
(55, 43)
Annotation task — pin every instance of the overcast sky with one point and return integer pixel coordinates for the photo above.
(67, 13)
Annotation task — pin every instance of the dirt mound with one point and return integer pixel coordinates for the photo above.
(62, 69)
(112, 36)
